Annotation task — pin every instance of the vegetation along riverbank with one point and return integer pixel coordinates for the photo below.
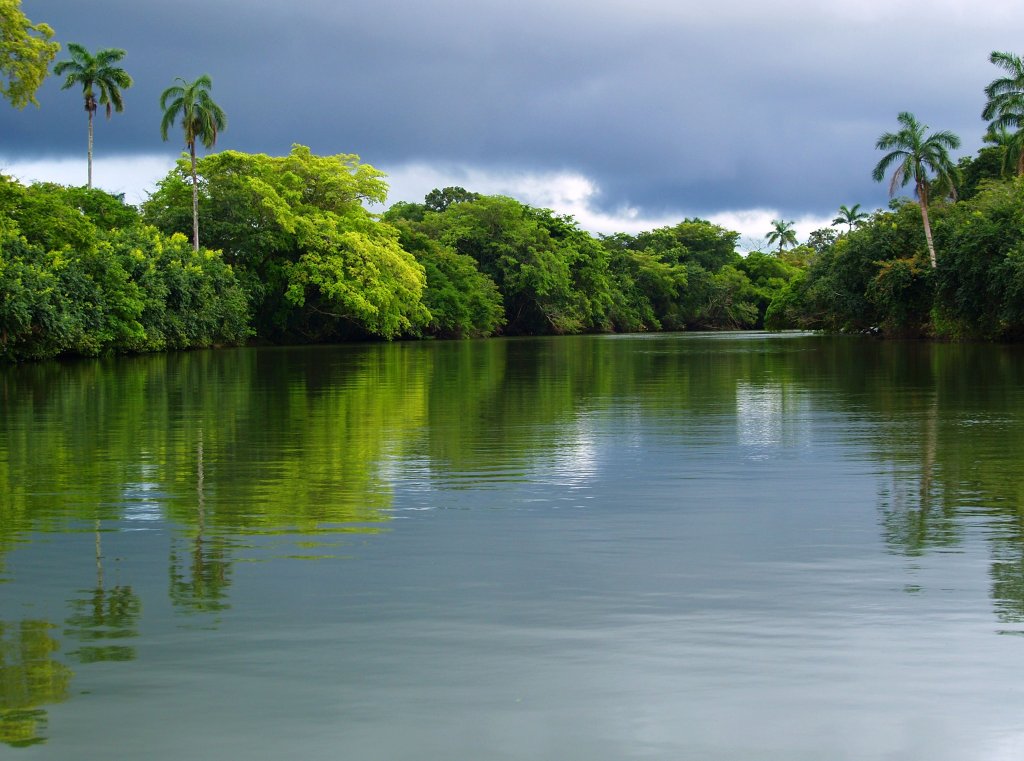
(233, 247)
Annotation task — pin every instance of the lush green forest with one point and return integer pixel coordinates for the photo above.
(291, 253)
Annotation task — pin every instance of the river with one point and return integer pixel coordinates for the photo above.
(680, 546)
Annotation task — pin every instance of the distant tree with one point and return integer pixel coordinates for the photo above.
(25, 54)
(917, 157)
(821, 239)
(1010, 145)
(1005, 105)
(95, 73)
(439, 200)
(201, 118)
(782, 233)
(853, 217)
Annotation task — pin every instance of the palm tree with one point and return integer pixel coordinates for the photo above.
(1010, 145)
(782, 233)
(202, 120)
(95, 73)
(851, 216)
(1005, 106)
(916, 155)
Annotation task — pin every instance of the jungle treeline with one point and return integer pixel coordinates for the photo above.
(877, 278)
(292, 254)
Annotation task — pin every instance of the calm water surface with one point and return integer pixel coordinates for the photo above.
(708, 547)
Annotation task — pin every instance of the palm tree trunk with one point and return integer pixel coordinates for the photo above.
(90, 148)
(922, 201)
(195, 198)
(928, 234)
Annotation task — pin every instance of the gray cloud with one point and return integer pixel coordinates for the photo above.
(665, 105)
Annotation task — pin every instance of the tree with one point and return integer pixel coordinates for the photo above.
(1010, 146)
(318, 265)
(95, 72)
(439, 200)
(1005, 106)
(917, 156)
(851, 216)
(782, 233)
(25, 54)
(201, 119)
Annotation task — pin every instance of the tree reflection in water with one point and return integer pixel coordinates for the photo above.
(30, 678)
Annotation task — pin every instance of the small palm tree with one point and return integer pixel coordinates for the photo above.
(95, 73)
(851, 216)
(1011, 145)
(1005, 106)
(917, 156)
(201, 119)
(782, 233)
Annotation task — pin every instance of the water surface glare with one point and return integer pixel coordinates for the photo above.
(692, 546)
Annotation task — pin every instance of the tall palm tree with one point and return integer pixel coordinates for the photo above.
(1005, 106)
(96, 74)
(851, 216)
(916, 156)
(782, 233)
(202, 120)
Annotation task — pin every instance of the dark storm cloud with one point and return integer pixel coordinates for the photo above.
(665, 105)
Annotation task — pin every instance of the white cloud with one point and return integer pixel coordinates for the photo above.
(572, 193)
(135, 176)
(565, 192)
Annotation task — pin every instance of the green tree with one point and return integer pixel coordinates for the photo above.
(201, 118)
(317, 264)
(850, 216)
(684, 274)
(1005, 105)
(916, 157)
(95, 73)
(552, 275)
(1010, 146)
(782, 233)
(439, 200)
(25, 54)
(463, 302)
(80, 274)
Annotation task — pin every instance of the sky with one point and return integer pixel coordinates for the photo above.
(627, 114)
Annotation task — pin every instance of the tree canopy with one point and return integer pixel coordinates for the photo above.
(26, 50)
(317, 264)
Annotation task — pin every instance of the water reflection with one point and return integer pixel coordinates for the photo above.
(101, 618)
(771, 416)
(315, 442)
(30, 678)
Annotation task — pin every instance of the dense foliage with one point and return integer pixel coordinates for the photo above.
(80, 274)
(316, 264)
(26, 50)
(295, 256)
(555, 278)
(878, 277)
